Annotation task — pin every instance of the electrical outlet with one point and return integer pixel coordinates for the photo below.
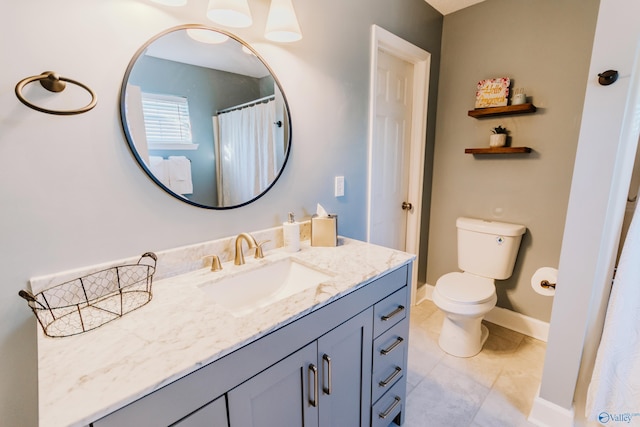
(339, 186)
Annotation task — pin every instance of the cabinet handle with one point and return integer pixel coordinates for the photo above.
(312, 374)
(385, 414)
(391, 377)
(392, 347)
(327, 389)
(398, 310)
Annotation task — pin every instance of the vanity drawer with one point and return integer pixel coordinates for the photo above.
(387, 411)
(389, 311)
(215, 413)
(390, 348)
(169, 404)
(389, 360)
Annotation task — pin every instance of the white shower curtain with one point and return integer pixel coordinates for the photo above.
(247, 152)
(614, 391)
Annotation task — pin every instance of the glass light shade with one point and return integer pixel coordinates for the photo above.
(282, 23)
(230, 13)
(171, 2)
(207, 36)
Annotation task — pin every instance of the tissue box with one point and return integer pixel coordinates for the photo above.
(324, 230)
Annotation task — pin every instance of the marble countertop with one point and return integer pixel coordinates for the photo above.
(84, 377)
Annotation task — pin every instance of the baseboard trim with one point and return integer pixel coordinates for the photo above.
(547, 414)
(519, 322)
(423, 292)
(501, 316)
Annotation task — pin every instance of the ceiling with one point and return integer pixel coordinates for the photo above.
(446, 7)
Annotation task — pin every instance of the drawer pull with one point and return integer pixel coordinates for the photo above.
(391, 377)
(385, 414)
(398, 310)
(312, 374)
(392, 347)
(327, 389)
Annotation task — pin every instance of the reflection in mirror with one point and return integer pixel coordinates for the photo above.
(205, 117)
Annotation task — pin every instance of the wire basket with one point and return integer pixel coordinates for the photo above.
(87, 302)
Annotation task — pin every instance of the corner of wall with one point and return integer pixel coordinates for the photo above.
(547, 414)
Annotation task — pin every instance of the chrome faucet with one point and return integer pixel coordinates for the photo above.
(251, 241)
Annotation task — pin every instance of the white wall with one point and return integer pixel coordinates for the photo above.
(72, 194)
(602, 172)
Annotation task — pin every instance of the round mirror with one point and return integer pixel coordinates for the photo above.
(205, 117)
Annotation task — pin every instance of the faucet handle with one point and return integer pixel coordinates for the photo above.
(259, 253)
(215, 262)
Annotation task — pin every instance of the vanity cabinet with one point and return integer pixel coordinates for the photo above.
(213, 414)
(343, 364)
(390, 351)
(344, 384)
(326, 383)
(283, 395)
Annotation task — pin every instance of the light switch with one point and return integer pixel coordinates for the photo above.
(339, 186)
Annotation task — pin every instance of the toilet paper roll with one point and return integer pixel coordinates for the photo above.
(544, 273)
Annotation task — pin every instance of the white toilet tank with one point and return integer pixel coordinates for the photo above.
(488, 248)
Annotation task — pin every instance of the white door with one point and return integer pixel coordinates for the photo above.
(399, 93)
(390, 152)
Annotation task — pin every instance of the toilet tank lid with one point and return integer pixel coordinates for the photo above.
(490, 227)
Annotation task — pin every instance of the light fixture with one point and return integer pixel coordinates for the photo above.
(207, 36)
(282, 23)
(230, 13)
(171, 2)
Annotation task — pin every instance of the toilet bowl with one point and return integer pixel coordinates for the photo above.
(487, 252)
(465, 299)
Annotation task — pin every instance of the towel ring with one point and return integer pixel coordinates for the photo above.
(51, 81)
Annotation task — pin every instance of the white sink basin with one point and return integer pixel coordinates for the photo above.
(244, 291)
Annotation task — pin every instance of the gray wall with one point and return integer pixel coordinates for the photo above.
(544, 46)
(73, 194)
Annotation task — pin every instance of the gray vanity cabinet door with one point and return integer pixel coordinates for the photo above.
(285, 394)
(344, 355)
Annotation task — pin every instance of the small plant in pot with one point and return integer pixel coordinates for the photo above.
(499, 137)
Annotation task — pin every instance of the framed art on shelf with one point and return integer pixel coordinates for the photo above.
(493, 92)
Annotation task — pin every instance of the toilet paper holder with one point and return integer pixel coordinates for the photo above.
(546, 284)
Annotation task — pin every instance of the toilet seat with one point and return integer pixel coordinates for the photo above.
(465, 288)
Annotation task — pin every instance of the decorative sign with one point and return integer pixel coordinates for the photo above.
(493, 92)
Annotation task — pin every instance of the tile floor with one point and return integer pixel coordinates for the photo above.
(494, 388)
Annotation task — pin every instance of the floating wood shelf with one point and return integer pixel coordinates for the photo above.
(497, 150)
(479, 113)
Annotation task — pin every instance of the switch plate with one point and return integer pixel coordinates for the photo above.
(339, 186)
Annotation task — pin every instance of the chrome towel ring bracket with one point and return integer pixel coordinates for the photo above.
(53, 82)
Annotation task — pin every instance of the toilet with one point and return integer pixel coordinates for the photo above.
(487, 251)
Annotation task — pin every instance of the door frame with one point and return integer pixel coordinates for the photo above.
(383, 40)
